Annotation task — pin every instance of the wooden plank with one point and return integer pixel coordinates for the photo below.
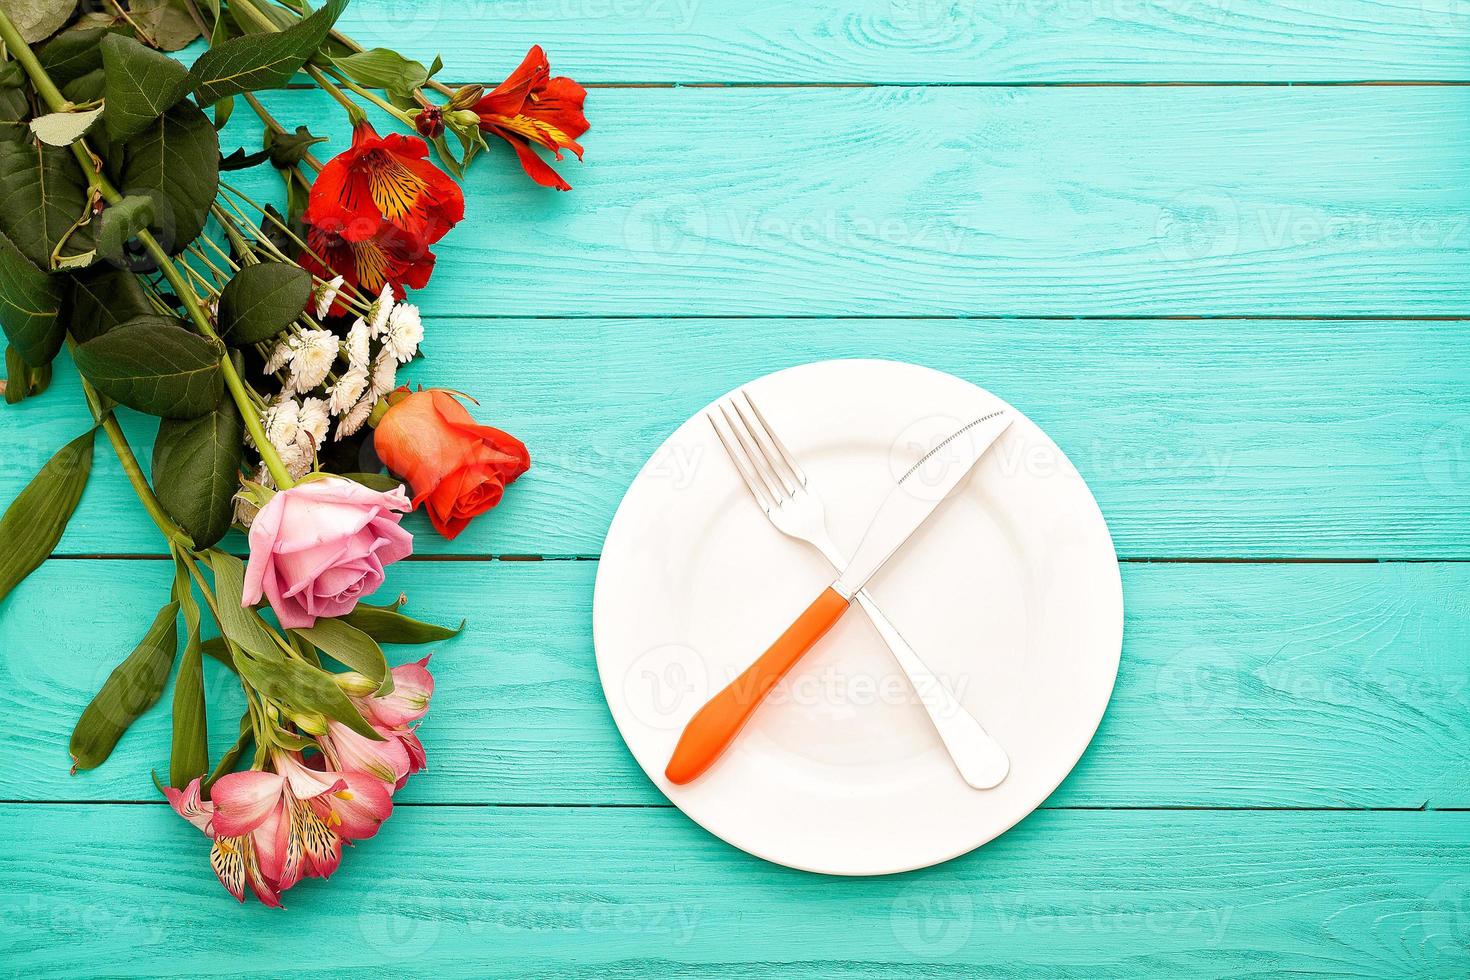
(970, 202)
(640, 892)
(1241, 685)
(1199, 438)
(887, 41)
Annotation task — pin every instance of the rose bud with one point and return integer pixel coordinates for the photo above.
(456, 467)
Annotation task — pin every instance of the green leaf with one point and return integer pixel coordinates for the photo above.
(21, 380)
(34, 522)
(155, 365)
(190, 752)
(349, 646)
(142, 84)
(175, 160)
(101, 298)
(304, 689)
(64, 128)
(387, 625)
(285, 150)
(166, 22)
(30, 306)
(217, 648)
(261, 61)
(15, 108)
(119, 223)
(242, 625)
(196, 470)
(384, 69)
(38, 19)
(45, 195)
(131, 689)
(373, 481)
(69, 56)
(262, 300)
(231, 758)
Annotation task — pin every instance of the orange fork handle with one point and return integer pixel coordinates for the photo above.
(715, 725)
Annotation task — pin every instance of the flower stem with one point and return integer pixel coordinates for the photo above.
(368, 94)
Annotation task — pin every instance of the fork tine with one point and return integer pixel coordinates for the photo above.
(768, 454)
(786, 457)
(756, 457)
(737, 457)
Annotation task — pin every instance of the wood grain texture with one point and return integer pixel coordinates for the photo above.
(1199, 438)
(1241, 686)
(969, 202)
(890, 41)
(644, 892)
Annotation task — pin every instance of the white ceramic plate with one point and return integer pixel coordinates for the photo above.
(1010, 593)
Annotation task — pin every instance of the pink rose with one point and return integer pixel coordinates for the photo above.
(320, 546)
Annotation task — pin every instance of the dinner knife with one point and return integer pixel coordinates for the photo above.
(714, 726)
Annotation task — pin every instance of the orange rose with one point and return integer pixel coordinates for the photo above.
(455, 466)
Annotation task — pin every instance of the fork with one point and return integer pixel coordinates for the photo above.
(780, 488)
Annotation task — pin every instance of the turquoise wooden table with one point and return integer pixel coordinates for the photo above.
(1219, 249)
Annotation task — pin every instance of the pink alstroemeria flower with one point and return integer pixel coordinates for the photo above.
(347, 751)
(232, 858)
(413, 685)
(271, 829)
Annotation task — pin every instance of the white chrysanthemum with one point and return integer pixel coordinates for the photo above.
(298, 460)
(312, 424)
(278, 357)
(358, 345)
(382, 309)
(350, 423)
(349, 388)
(314, 354)
(326, 295)
(245, 507)
(385, 372)
(405, 332)
(280, 423)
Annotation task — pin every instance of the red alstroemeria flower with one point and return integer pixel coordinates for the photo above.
(384, 179)
(532, 107)
(390, 257)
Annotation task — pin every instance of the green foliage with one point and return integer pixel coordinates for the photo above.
(36, 518)
(305, 689)
(141, 85)
(155, 365)
(39, 19)
(196, 470)
(350, 647)
(387, 625)
(45, 195)
(121, 222)
(175, 160)
(189, 756)
(21, 380)
(262, 61)
(262, 300)
(101, 298)
(30, 306)
(71, 55)
(385, 69)
(131, 689)
(289, 149)
(64, 128)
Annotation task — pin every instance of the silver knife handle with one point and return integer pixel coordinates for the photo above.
(979, 758)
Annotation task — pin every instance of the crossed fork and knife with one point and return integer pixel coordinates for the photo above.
(780, 487)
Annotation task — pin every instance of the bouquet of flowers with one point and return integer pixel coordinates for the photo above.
(266, 341)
